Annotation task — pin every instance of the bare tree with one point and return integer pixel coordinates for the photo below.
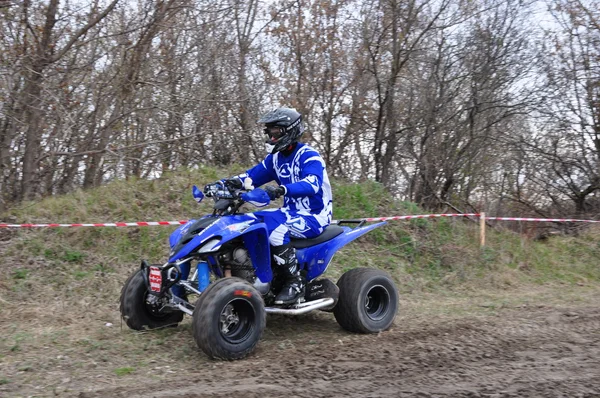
(474, 86)
(432, 98)
(567, 145)
(43, 51)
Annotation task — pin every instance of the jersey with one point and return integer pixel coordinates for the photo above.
(303, 174)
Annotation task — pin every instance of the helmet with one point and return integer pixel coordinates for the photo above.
(283, 127)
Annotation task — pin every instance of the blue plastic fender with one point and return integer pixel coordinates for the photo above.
(176, 235)
(226, 228)
(252, 231)
(315, 259)
(256, 241)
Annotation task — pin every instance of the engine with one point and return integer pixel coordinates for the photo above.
(237, 261)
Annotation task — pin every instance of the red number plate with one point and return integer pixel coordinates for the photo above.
(155, 278)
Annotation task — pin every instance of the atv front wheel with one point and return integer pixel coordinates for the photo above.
(138, 310)
(229, 319)
(368, 301)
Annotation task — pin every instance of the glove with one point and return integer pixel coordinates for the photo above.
(275, 192)
(233, 183)
(213, 186)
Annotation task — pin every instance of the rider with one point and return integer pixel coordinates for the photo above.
(302, 180)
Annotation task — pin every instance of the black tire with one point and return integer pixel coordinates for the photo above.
(137, 313)
(368, 301)
(229, 319)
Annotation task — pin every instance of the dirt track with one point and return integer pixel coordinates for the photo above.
(523, 352)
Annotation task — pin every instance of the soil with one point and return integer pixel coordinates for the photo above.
(526, 351)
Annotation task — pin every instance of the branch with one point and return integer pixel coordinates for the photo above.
(112, 149)
(6, 3)
(83, 31)
(589, 14)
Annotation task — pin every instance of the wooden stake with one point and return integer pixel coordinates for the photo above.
(482, 229)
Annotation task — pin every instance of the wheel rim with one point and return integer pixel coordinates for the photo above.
(236, 321)
(377, 302)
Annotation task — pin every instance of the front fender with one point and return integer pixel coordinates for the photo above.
(256, 241)
(192, 235)
(186, 232)
(255, 238)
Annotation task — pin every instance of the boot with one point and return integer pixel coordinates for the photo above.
(293, 288)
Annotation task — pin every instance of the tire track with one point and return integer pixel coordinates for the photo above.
(521, 353)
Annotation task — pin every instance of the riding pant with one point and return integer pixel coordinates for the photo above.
(282, 224)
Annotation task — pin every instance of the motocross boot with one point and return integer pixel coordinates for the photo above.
(286, 261)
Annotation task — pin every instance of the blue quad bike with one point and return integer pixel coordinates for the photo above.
(220, 273)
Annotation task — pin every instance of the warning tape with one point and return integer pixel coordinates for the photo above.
(116, 224)
(154, 223)
(540, 219)
(416, 216)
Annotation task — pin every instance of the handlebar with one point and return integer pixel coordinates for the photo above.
(227, 198)
(221, 190)
(230, 195)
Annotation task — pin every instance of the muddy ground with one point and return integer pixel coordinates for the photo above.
(523, 351)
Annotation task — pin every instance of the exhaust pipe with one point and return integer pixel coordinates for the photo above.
(302, 308)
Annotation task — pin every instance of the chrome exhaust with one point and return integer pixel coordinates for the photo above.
(301, 308)
(185, 309)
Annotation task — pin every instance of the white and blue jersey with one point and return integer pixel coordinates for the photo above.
(307, 203)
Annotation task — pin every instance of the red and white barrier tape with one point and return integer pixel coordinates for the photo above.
(116, 224)
(539, 219)
(154, 223)
(415, 217)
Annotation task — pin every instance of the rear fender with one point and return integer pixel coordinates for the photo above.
(316, 259)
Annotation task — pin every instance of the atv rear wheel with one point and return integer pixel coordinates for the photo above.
(138, 313)
(229, 319)
(368, 301)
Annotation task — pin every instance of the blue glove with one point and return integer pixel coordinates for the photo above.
(258, 197)
(275, 192)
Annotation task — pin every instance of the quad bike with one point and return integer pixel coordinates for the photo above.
(220, 273)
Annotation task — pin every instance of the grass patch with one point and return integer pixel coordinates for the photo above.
(80, 274)
(20, 273)
(103, 269)
(72, 256)
(124, 371)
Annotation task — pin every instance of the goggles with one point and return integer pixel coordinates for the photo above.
(274, 132)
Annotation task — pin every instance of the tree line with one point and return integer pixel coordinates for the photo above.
(487, 105)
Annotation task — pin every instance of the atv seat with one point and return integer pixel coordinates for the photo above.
(330, 232)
